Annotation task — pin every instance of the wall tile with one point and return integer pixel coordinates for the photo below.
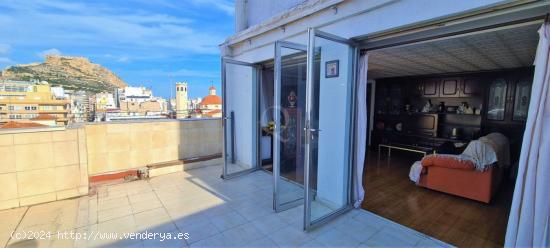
(118, 142)
(25, 201)
(8, 186)
(117, 161)
(82, 151)
(139, 127)
(116, 128)
(66, 135)
(6, 139)
(7, 204)
(33, 156)
(7, 159)
(83, 169)
(64, 194)
(65, 153)
(96, 130)
(36, 182)
(141, 140)
(67, 177)
(159, 139)
(139, 158)
(96, 143)
(97, 163)
(32, 138)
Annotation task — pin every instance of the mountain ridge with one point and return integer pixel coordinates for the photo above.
(76, 73)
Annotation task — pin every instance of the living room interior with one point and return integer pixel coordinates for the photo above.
(443, 97)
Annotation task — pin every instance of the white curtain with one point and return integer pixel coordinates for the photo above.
(531, 203)
(362, 128)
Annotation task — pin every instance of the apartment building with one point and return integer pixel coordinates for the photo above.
(23, 101)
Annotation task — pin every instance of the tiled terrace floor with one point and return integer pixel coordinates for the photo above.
(212, 211)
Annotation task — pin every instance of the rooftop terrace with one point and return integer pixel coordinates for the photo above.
(213, 212)
(50, 196)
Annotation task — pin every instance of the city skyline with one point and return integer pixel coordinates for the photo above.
(147, 44)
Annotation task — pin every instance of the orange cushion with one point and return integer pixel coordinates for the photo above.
(447, 162)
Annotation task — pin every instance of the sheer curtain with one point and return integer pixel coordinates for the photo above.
(528, 221)
(362, 129)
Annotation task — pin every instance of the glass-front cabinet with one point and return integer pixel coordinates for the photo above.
(508, 99)
(497, 100)
(521, 100)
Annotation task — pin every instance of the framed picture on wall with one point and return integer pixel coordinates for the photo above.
(332, 68)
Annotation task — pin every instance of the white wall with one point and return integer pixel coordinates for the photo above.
(260, 10)
(334, 120)
(240, 98)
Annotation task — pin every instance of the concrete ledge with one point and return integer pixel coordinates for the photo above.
(168, 167)
(201, 164)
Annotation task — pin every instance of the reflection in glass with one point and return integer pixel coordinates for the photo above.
(497, 100)
(293, 85)
(521, 101)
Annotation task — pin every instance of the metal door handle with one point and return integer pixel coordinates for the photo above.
(312, 129)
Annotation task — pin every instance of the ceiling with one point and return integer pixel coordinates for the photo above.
(490, 50)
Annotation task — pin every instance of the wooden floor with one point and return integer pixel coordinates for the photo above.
(455, 220)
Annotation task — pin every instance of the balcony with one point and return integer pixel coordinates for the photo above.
(55, 183)
(212, 211)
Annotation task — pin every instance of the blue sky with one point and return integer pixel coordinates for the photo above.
(145, 42)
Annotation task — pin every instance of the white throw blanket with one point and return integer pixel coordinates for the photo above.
(484, 152)
(416, 170)
(481, 153)
(488, 150)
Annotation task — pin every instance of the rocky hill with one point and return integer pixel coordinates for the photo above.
(69, 72)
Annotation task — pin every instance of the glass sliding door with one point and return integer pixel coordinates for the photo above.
(289, 116)
(329, 126)
(240, 117)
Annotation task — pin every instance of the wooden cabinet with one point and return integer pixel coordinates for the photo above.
(461, 87)
(449, 87)
(429, 87)
(471, 86)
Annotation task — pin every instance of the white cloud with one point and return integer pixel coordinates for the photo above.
(222, 5)
(123, 59)
(4, 48)
(51, 51)
(6, 60)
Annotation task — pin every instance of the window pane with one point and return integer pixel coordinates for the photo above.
(521, 101)
(497, 100)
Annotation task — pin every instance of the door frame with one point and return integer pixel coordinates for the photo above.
(277, 73)
(225, 118)
(312, 34)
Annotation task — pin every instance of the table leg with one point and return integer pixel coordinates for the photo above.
(379, 152)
